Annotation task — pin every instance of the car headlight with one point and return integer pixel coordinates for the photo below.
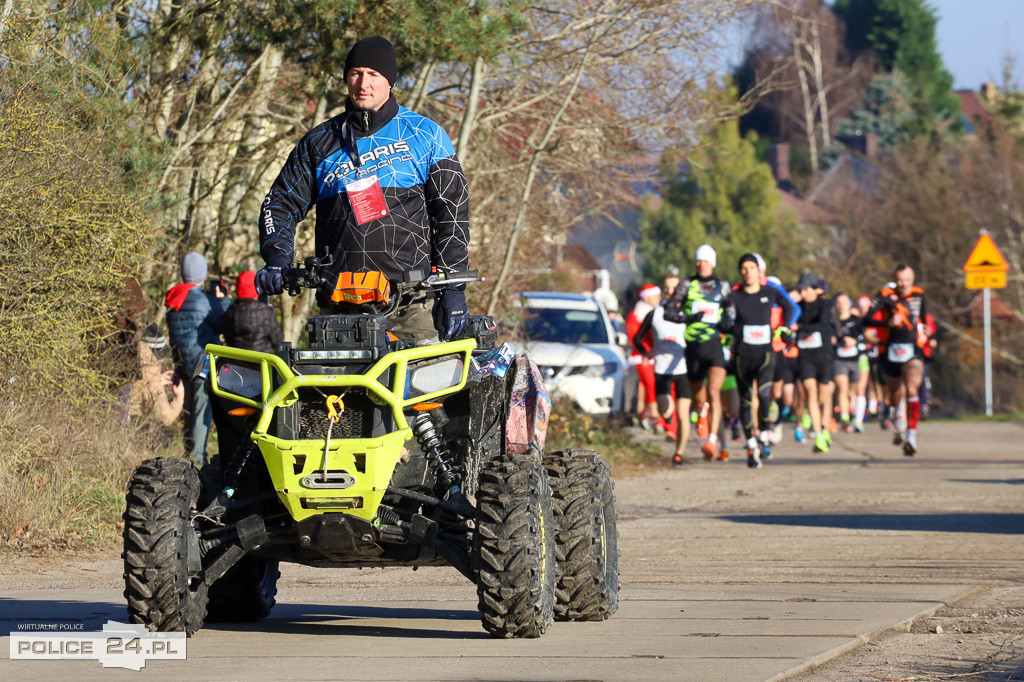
(603, 371)
(431, 377)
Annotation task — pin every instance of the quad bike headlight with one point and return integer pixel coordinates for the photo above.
(430, 377)
(240, 380)
(334, 354)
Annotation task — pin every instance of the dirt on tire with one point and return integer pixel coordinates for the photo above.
(162, 495)
(513, 547)
(586, 539)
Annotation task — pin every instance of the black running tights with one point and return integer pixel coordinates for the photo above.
(758, 368)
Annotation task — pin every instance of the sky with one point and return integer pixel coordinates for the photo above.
(974, 36)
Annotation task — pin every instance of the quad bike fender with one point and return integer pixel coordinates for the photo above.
(529, 409)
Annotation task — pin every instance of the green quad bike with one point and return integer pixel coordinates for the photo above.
(366, 450)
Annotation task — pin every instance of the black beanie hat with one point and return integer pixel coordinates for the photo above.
(746, 257)
(377, 53)
(807, 281)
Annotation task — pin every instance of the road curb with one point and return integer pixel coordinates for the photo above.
(860, 640)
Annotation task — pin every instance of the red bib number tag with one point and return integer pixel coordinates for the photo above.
(366, 199)
(809, 341)
(901, 352)
(757, 334)
(847, 351)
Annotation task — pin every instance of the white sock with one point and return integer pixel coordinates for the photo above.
(859, 405)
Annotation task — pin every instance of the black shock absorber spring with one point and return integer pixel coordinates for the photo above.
(234, 477)
(434, 448)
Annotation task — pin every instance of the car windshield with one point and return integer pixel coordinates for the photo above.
(562, 325)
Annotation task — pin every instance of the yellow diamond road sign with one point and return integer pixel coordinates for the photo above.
(985, 257)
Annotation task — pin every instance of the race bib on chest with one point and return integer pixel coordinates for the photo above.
(757, 334)
(900, 352)
(366, 199)
(707, 308)
(808, 341)
(847, 351)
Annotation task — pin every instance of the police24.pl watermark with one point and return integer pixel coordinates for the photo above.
(118, 646)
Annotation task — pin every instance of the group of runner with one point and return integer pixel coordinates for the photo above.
(753, 355)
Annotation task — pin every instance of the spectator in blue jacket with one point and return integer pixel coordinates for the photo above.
(193, 320)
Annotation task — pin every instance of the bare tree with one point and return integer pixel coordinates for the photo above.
(804, 73)
(548, 138)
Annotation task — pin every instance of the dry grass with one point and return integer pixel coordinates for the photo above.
(571, 428)
(64, 470)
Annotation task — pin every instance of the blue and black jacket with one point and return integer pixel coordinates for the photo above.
(420, 176)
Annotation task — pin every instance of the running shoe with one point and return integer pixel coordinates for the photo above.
(805, 421)
(766, 445)
(709, 449)
(677, 461)
(647, 425)
(847, 426)
(734, 426)
(821, 443)
(798, 433)
(858, 427)
(832, 426)
(659, 429)
(885, 424)
(702, 422)
(777, 433)
(753, 454)
(910, 444)
(897, 432)
(723, 455)
(827, 436)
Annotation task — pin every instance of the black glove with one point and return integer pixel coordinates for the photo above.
(677, 316)
(674, 314)
(693, 317)
(270, 279)
(450, 313)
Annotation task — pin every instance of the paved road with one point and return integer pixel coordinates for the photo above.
(728, 573)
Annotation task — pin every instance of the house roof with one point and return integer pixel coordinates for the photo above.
(999, 310)
(806, 212)
(851, 176)
(974, 112)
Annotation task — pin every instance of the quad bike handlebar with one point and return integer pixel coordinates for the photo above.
(314, 274)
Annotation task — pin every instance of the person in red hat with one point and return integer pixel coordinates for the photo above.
(250, 323)
(650, 298)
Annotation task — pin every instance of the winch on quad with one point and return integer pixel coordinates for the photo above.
(364, 449)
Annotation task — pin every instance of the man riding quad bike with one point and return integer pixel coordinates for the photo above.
(367, 450)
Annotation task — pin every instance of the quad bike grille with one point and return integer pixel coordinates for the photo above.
(355, 421)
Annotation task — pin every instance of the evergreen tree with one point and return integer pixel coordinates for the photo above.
(724, 197)
(887, 112)
(901, 33)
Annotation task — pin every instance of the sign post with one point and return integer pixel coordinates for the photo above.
(985, 269)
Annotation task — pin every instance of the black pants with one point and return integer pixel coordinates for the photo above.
(758, 367)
